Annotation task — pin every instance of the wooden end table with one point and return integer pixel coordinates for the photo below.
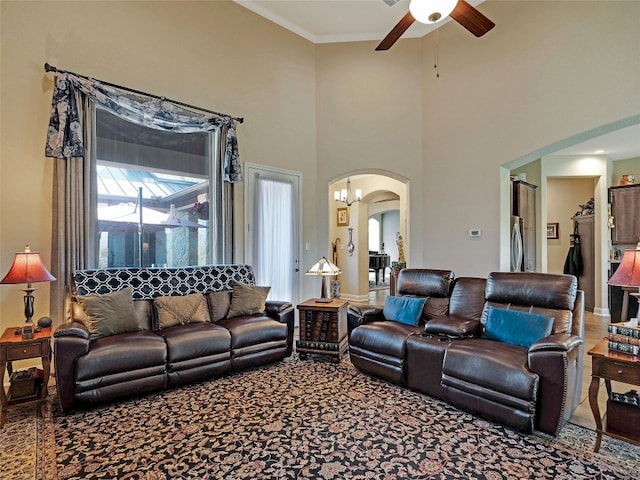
(610, 365)
(12, 348)
(323, 328)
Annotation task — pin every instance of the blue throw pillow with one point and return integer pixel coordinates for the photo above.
(404, 309)
(516, 327)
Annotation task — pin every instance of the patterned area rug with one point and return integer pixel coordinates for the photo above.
(315, 419)
(27, 446)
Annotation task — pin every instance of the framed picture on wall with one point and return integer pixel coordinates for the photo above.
(343, 217)
(552, 231)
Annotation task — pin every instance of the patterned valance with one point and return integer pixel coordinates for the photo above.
(64, 138)
(148, 283)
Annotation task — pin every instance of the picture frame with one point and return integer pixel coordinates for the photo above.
(343, 217)
(552, 231)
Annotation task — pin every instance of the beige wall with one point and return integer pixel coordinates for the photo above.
(217, 55)
(548, 71)
(625, 167)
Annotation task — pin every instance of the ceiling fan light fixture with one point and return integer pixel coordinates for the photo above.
(431, 11)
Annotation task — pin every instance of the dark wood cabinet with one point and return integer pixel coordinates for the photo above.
(14, 348)
(625, 208)
(323, 328)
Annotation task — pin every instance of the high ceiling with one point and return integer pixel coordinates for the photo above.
(329, 21)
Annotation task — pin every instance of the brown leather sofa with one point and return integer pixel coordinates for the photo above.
(90, 371)
(448, 356)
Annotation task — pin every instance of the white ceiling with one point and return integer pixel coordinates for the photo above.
(330, 21)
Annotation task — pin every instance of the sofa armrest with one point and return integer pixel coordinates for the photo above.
(72, 329)
(557, 360)
(561, 342)
(356, 316)
(71, 341)
(284, 313)
(274, 308)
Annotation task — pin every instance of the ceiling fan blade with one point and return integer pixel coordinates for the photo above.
(397, 31)
(471, 19)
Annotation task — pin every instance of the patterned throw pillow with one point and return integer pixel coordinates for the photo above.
(247, 300)
(181, 310)
(109, 314)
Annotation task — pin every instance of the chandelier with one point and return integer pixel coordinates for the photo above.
(345, 194)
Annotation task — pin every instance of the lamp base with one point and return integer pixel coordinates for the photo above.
(324, 300)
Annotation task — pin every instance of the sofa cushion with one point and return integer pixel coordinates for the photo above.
(252, 330)
(122, 353)
(181, 310)
(403, 309)
(490, 369)
(109, 314)
(453, 326)
(434, 285)
(516, 327)
(383, 337)
(247, 300)
(467, 297)
(195, 340)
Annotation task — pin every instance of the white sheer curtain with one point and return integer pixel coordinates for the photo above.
(274, 250)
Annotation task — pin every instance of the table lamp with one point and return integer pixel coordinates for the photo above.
(326, 269)
(28, 268)
(627, 275)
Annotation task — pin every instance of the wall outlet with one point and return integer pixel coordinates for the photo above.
(475, 232)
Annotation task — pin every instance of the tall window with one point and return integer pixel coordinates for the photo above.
(153, 191)
(374, 234)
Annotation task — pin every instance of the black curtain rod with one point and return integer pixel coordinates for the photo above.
(51, 68)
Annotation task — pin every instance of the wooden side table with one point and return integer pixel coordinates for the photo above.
(12, 348)
(610, 365)
(323, 328)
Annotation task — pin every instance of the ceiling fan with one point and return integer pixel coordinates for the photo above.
(432, 11)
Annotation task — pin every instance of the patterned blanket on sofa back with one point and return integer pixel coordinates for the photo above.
(148, 283)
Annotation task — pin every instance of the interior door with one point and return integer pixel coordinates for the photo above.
(272, 230)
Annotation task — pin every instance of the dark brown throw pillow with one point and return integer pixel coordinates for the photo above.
(247, 300)
(219, 303)
(109, 314)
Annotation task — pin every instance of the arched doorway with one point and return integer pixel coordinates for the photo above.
(383, 196)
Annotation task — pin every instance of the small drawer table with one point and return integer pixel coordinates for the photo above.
(610, 365)
(323, 328)
(12, 348)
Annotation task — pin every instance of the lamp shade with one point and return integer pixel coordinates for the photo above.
(27, 268)
(324, 267)
(628, 273)
(431, 11)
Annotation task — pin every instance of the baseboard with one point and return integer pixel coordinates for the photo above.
(601, 312)
(355, 298)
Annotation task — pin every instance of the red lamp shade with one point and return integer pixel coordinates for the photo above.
(27, 268)
(628, 273)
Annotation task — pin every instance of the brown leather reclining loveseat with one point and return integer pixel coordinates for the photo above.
(451, 354)
(200, 339)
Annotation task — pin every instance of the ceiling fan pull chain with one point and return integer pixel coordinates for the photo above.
(437, 59)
